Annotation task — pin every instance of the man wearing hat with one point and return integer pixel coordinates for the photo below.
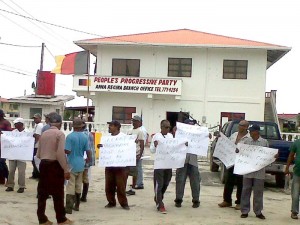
(14, 164)
(4, 126)
(137, 171)
(76, 145)
(37, 131)
(255, 180)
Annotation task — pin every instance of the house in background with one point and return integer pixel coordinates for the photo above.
(289, 122)
(162, 75)
(30, 104)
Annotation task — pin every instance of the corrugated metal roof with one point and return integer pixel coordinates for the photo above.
(42, 99)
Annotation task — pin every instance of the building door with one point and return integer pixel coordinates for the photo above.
(229, 116)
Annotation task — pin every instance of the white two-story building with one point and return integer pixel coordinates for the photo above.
(160, 74)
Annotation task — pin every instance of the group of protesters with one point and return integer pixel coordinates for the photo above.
(66, 161)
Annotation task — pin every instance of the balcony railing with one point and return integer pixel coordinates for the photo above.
(68, 128)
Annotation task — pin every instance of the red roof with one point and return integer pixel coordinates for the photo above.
(3, 100)
(179, 37)
(287, 116)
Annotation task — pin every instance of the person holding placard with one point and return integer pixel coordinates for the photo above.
(116, 177)
(14, 164)
(76, 146)
(255, 180)
(54, 170)
(294, 150)
(162, 177)
(237, 137)
(190, 170)
(137, 171)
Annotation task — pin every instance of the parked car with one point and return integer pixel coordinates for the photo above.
(270, 132)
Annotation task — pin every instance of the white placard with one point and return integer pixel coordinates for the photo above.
(225, 151)
(17, 145)
(252, 158)
(170, 153)
(118, 151)
(197, 136)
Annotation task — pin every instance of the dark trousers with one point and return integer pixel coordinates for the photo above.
(115, 181)
(194, 176)
(162, 178)
(3, 171)
(231, 180)
(51, 182)
(35, 172)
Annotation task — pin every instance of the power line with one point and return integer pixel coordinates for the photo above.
(17, 72)
(25, 46)
(49, 51)
(68, 28)
(44, 27)
(15, 68)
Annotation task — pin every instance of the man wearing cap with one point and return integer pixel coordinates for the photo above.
(76, 145)
(137, 171)
(190, 170)
(255, 180)
(4, 126)
(54, 170)
(116, 177)
(14, 164)
(231, 179)
(47, 125)
(37, 131)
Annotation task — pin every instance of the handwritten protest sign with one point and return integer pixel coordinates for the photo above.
(17, 145)
(225, 151)
(118, 151)
(252, 158)
(197, 137)
(170, 153)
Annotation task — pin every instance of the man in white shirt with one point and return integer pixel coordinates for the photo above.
(14, 164)
(162, 177)
(37, 131)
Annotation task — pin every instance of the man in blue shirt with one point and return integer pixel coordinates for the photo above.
(76, 145)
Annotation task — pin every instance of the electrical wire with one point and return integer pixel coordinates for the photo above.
(25, 74)
(25, 46)
(15, 68)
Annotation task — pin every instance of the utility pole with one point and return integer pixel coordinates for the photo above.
(41, 67)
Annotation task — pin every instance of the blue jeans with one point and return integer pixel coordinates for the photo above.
(140, 177)
(295, 194)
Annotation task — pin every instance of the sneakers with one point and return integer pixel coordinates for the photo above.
(109, 205)
(294, 216)
(138, 187)
(20, 190)
(237, 207)
(47, 223)
(130, 192)
(178, 204)
(244, 215)
(9, 189)
(196, 204)
(225, 204)
(162, 210)
(261, 216)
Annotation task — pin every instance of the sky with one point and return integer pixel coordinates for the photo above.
(276, 22)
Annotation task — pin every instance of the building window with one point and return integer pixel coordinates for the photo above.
(123, 114)
(179, 67)
(126, 67)
(13, 106)
(34, 111)
(235, 69)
